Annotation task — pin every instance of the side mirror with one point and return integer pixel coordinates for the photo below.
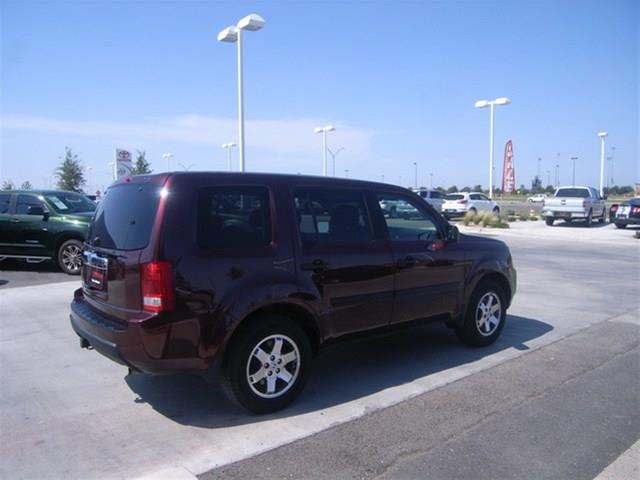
(453, 234)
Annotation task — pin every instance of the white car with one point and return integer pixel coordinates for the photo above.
(537, 198)
(458, 204)
(433, 198)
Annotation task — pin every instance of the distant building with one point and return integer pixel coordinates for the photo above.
(637, 188)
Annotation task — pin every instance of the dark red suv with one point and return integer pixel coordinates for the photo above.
(244, 277)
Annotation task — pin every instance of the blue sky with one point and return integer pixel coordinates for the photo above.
(398, 80)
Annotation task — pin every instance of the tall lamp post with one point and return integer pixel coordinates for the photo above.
(251, 23)
(323, 131)
(602, 136)
(431, 180)
(167, 157)
(415, 175)
(491, 103)
(228, 147)
(333, 158)
(573, 176)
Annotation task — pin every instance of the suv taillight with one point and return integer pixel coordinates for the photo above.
(462, 201)
(157, 287)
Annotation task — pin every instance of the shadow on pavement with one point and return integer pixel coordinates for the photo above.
(342, 373)
(581, 224)
(22, 266)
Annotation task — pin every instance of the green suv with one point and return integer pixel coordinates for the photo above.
(37, 226)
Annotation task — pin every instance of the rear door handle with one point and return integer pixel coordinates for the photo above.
(317, 265)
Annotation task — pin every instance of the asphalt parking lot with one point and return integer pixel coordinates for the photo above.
(555, 397)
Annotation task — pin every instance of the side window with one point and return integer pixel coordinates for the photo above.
(484, 197)
(5, 201)
(436, 194)
(407, 221)
(328, 216)
(26, 201)
(232, 217)
(475, 196)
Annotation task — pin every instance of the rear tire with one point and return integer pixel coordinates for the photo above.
(549, 220)
(589, 220)
(485, 316)
(70, 257)
(267, 364)
(621, 225)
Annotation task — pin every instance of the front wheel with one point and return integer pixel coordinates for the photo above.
(267, 365)
(70, 257)
(621, 225)
(549, 220)
(485, 317)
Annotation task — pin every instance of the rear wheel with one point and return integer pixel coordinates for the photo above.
(603, 218)
(589, 219)
(621, 225)
(549, 220)
(267, 365)
(70, 257)
(485, 316)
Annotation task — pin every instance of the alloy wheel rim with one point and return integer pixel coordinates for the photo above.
(488, 314)
(273, 366)
(72, 258)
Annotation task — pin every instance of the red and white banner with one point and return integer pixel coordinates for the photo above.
(509, 170)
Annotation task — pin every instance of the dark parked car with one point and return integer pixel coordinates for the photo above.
(626, 213)
(244, 277)
(45, 225)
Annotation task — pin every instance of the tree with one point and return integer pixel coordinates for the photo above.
(26, 185)
(141, 165)
(69, 173)
(477, 188)
(7, 185)
(452, 189)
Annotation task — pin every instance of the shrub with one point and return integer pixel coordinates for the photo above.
(487, 218)
(477, 218)
(468, 218)
(523, 218)
(533, 218)
(498, 222)
(512, 218)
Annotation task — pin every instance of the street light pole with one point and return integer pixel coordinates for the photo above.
(415, 175)
(333, 158)
(557, 182)
(227, 147)
(167, 157)
(491, 104)
(233, 34)
(573, 177)
(431, 180)
(613, 156)
(602, 136)
(324, 130)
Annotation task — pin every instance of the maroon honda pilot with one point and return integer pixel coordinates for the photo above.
(244, 277)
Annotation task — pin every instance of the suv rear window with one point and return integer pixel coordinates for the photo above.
(125, 217)
(328, 216)
(232, 217)
(454, 196)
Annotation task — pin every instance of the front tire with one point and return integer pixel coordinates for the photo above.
(621, 225)
(549, 220)
(267, 365)
(485, 316)
(70, 257)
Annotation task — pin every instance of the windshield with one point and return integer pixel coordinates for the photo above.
(573, 192)
(454, 196)
(125, 217)
(69, 202)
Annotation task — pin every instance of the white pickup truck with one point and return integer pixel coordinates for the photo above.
(575, 203)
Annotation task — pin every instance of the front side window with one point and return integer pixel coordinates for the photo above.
(410, 222)
(327, 216)
(27, 201)
(436, 194)
(232, 217)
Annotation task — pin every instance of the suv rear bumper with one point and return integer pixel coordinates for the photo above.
(132, 344)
